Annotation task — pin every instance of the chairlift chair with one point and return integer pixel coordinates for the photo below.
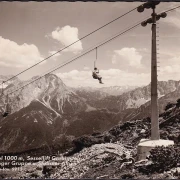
(94, 74)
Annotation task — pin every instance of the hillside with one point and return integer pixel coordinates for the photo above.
(117, 90)
(37, 125)
(112, 154)
(145, 109)
(50, 90)
(132, 99)
(49, 109)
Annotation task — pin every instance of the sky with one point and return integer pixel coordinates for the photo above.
(32, 31)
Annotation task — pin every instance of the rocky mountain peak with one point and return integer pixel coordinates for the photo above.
(48, 89)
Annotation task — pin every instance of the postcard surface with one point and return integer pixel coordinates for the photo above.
(89, 90)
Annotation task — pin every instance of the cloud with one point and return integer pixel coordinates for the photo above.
(127, 56)
(86, 68)
(111, 77)
(169, 69)
(14, 55)
(117, 77)
(54, 57)
(66, 36)
(143, 50)
(173, 19)
(169, 73)
(171, 60)
(123, 5)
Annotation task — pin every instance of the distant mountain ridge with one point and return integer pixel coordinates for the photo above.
(145, 109)
(117, 90)
(111, 90)
(5, 78)
(50, 90)
(47, 108)
(54, 94)
(134, 98)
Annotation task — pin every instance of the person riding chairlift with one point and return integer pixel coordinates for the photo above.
(96, 75)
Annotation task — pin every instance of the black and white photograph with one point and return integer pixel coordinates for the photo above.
(89, 90)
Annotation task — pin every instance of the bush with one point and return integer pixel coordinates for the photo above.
(34, 175)
(108, 159)
(178, 103)
(127, 175)
(108, 138)
(164, 158)
(168, 106)
(61, 143)
(82, 142)
(86, 141)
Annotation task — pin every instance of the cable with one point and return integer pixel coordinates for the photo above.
(90, 49)
(172, 9)
(79, 40)
(72, 44)
(79, 56)
(85, 53)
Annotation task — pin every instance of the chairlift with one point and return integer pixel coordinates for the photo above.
(94, 73)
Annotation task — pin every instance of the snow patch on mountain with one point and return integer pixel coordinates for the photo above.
(61, 99)
(4, 86)
(36, 92)
(49, 120)
(117, 90)
(49, 108)
(131, 103)
(53, 83)
(90, 108)
(161, 95)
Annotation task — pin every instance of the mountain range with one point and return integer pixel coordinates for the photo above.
(113, 154)
(47, 108)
